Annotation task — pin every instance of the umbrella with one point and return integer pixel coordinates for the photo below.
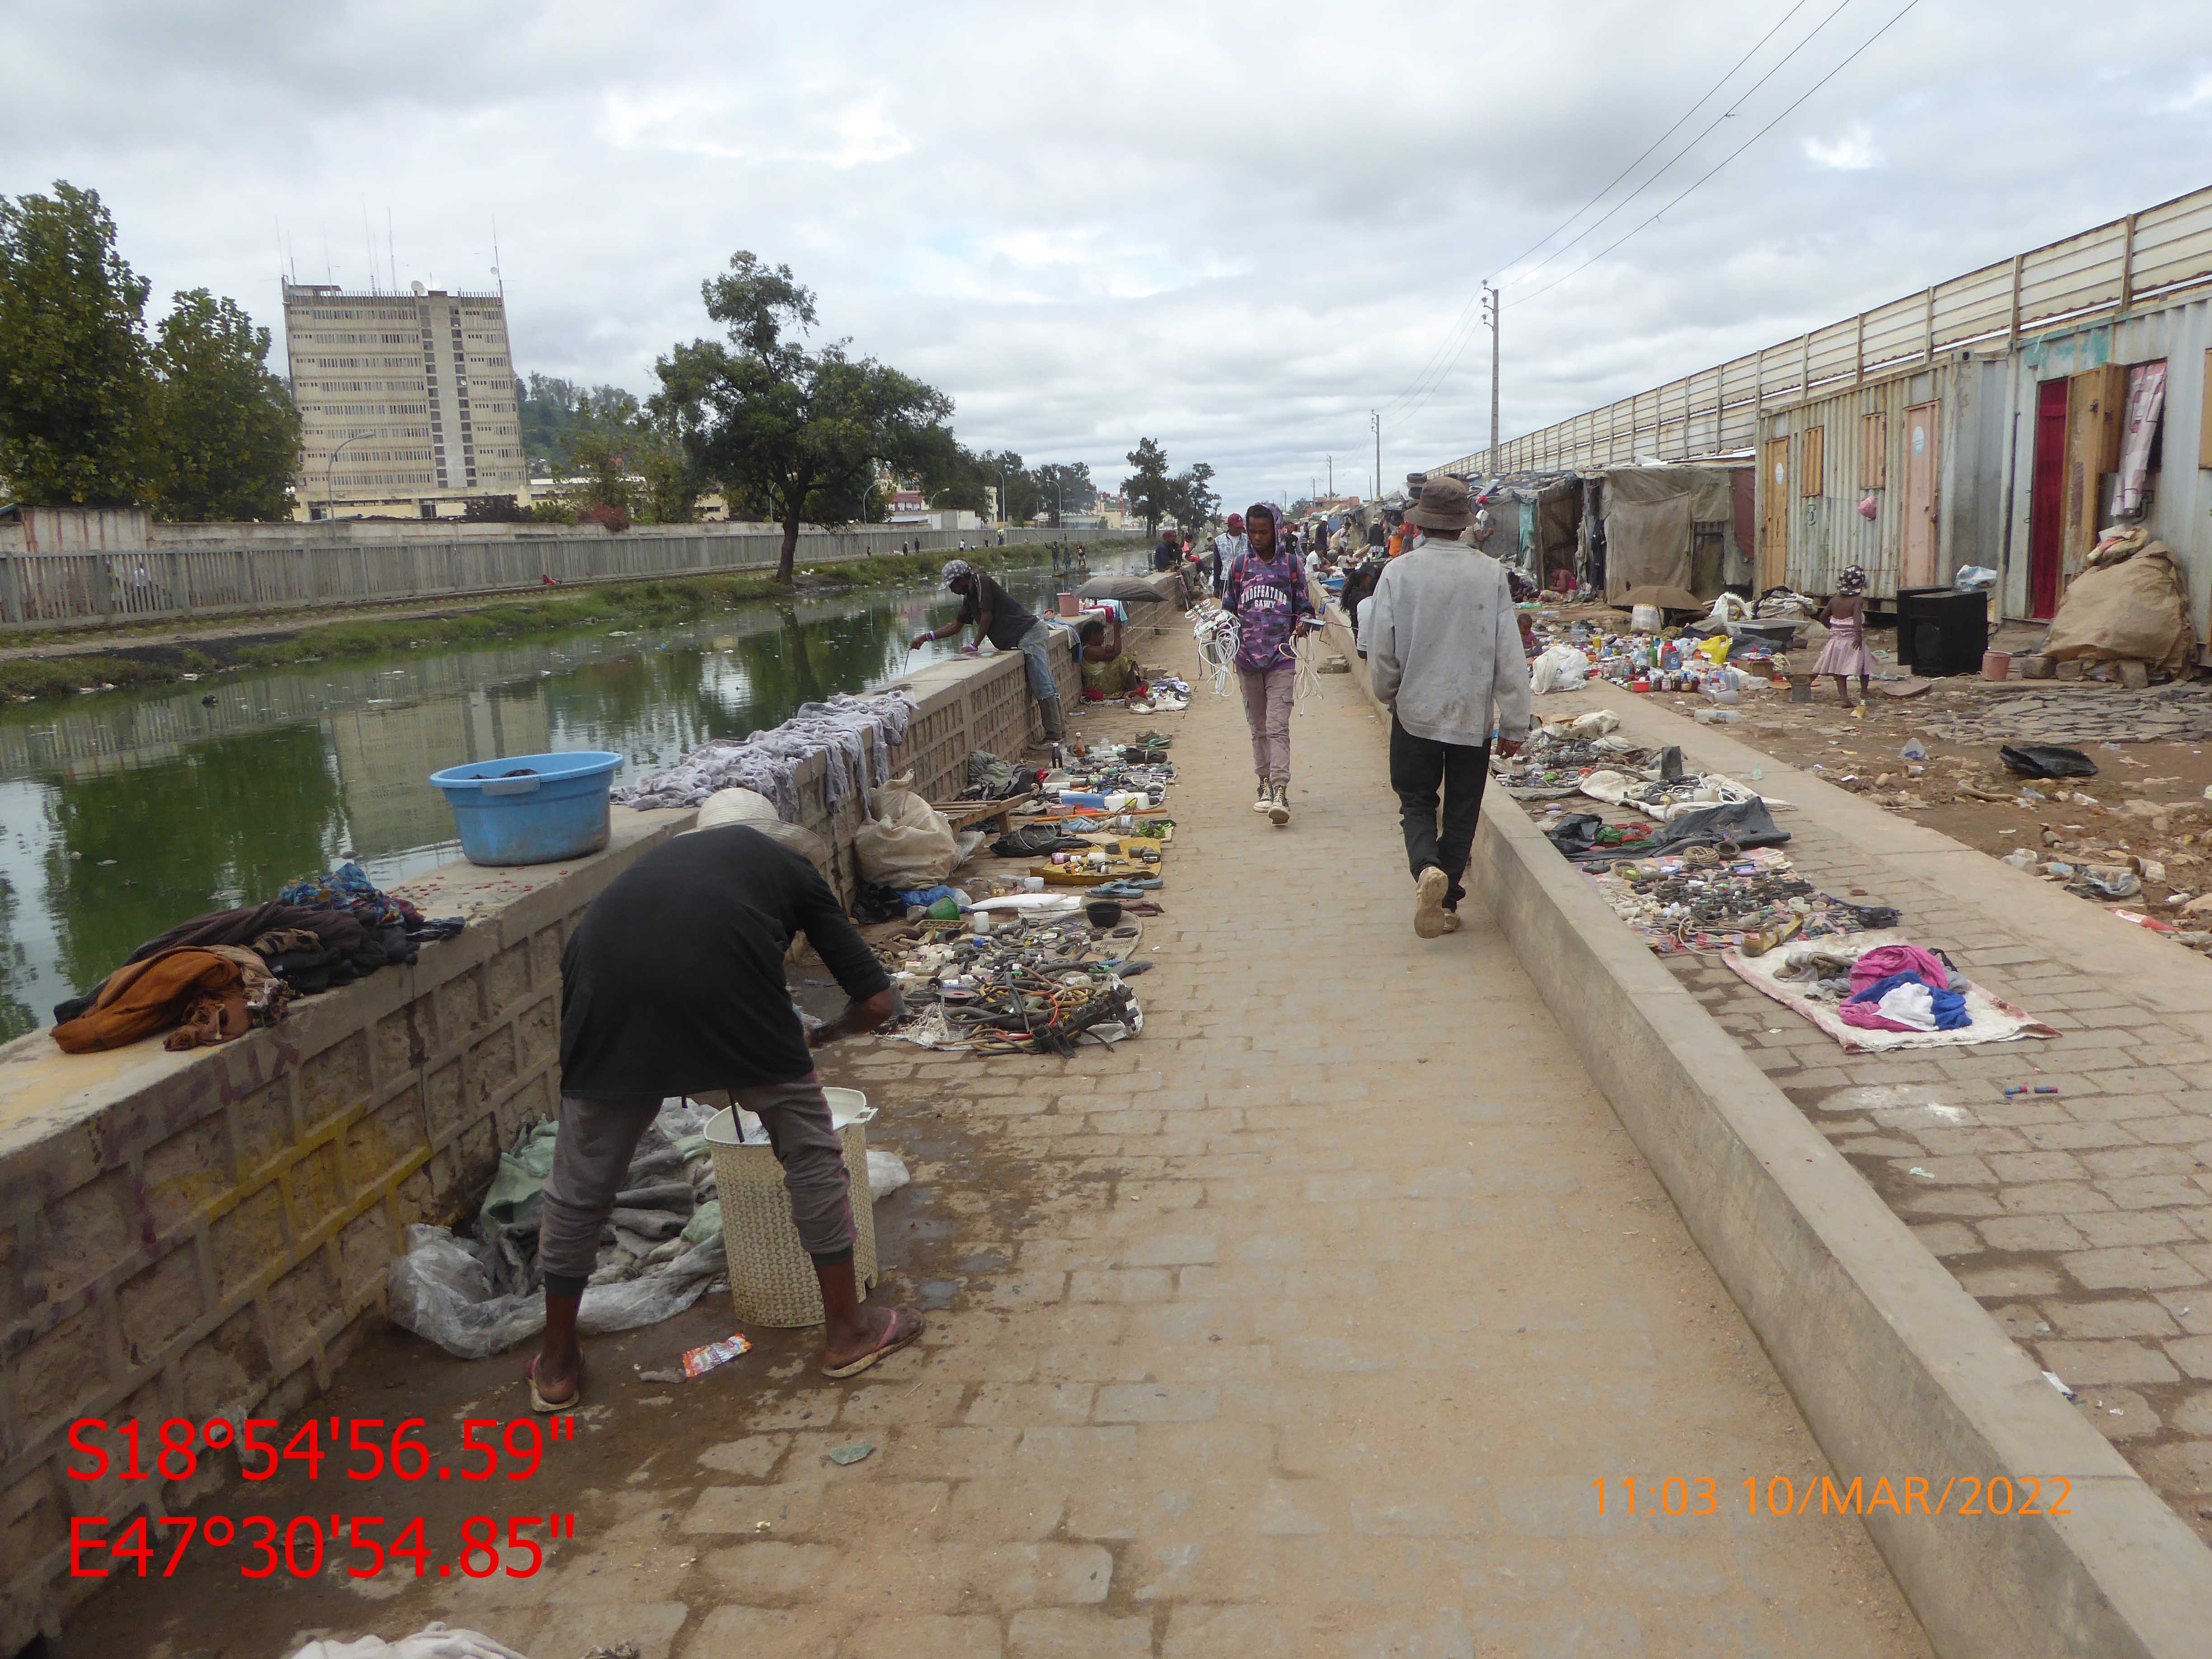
(1667, 598)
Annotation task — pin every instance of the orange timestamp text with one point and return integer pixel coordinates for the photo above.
(1911, 1494)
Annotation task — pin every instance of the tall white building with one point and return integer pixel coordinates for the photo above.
(407, 400)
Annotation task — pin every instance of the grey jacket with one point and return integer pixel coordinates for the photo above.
(1444, 645)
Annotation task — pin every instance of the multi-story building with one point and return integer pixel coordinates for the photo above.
(407, 401)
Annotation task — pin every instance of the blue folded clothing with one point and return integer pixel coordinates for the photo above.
(1949, 1006)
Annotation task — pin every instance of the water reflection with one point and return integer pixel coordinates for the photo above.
(122, 814)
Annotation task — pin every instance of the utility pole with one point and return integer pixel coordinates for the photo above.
(1332, 478)
(1376, 421)
(1489, 298)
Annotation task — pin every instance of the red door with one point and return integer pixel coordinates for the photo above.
(2046, 503)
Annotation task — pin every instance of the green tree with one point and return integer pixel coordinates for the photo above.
(1147, 488)
(1064, 487)
(76, 386)
(793, 433)
(1191, 498)
(226, 435)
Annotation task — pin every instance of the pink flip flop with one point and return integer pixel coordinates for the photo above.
(904, 1327)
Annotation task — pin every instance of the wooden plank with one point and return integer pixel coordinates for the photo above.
(1874, 449)
(2204, 417)
(1810, 484)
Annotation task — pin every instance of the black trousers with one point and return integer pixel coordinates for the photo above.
(1427, 775)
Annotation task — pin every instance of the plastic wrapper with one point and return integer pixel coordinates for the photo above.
(433, 1641)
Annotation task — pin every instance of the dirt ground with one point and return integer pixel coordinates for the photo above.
(2146, 808)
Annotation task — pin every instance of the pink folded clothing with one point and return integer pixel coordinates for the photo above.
(1885, 960)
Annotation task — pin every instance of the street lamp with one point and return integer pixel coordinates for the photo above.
(330, 488)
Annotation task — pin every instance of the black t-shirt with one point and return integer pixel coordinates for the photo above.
(1009, 621)
(672, 982)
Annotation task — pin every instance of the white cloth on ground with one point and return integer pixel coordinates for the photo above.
(766, 761)
(1910, 1005)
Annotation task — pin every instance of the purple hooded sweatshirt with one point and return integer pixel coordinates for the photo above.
(1266, 597)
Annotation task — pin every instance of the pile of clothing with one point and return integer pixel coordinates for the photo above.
(217, 977)
(857, 733)
(1902, 988)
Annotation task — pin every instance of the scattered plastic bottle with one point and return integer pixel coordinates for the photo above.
(1914, 749)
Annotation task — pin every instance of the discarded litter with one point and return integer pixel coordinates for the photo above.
(698, 1361)
(1923, 1174)
(1914, 749)
(2053, 1378)
(2047, 760)
(844, 1456)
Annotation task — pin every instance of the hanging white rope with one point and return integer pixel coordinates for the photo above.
(1307, 686)
(1216, 633)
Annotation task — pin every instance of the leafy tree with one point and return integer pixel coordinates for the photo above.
(76, 385)
(1146, 489)
(545, 408)
(1065, 486)
(1191, 497)
(795, 433)
(225, 435)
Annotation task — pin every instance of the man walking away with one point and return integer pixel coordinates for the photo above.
(1443, 646)
(1266, 592)
(673, 983)
(999, 618)
(1226, 546)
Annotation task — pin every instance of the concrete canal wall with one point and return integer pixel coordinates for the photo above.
(207, 1234)
(99, 588)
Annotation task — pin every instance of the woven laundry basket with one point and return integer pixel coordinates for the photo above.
(772, 1279)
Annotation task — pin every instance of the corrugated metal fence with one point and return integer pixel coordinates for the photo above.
(46, 590)
(2148, 255)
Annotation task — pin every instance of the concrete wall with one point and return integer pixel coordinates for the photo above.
(208, 1234)
(91, 590)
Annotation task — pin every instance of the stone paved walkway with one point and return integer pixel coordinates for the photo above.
(1347, 1288)
(2081, 1218)
(1301, 1325)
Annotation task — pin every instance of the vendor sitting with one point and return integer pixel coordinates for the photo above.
(1109, 670)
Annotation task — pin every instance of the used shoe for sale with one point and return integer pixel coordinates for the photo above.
(1267, 799)
(1430, 919)
(1279, 805)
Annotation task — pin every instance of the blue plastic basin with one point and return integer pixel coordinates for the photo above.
(530, 809)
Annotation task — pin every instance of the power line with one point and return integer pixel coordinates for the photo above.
(1730, 156)
(1463, 327)
(1661, 138)
(1710, 173)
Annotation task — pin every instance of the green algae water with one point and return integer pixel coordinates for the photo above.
(125, 812)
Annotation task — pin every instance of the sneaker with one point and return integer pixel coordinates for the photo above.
(1430, 916)
(1279, 808)
(1265, 801)
(1451, 921)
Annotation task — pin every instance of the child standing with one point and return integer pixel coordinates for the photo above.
(1846, 653)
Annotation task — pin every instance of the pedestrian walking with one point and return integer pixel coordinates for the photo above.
(1000, 619)
(1226, 546)
(1442, 648)
(673, 983)
(1266, 592)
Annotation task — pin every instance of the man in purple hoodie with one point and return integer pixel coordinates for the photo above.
(1266, 592)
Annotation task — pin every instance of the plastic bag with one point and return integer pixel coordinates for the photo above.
(1596, 723)
(434, 1641)
(438, 1289)
(1645, 619)
(1558, 669)
(1973, 578)
(906, 841)
(887, 1173)
(2046, 760)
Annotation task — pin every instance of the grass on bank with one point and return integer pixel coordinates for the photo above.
(680, 598)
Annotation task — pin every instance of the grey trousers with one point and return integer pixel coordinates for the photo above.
(598, 1136)
(1036, 646)
(1267, 697)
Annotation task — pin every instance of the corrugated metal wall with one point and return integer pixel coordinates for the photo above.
(1862, 444)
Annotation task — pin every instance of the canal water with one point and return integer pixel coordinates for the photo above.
(125, 812)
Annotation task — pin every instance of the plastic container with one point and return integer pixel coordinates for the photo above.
(1997, 665)
(772, 1279)
(530, 809)
(1083, 798)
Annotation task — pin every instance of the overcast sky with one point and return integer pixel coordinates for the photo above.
(1235, 228)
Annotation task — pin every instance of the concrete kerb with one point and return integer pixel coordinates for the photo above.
(1900, 1373)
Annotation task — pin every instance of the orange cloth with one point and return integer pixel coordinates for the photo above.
(163, 991)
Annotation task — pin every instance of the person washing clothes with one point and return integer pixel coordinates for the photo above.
(1845, 653)
(1000, 619)
(673, 983)
(1443, 650)
(1266, 592)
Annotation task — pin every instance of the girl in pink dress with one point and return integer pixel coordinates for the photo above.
(1846, 653)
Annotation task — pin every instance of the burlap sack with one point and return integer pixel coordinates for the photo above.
(2132, 610)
